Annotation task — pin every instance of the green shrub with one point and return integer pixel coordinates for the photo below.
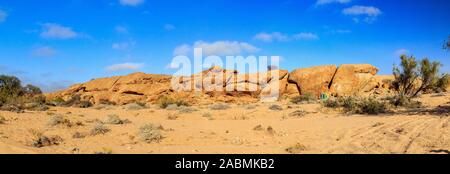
(166, 100)
(114, 119)
(308, 97)
(56, 120)
(13, 95)
(349, 103)
(57, 101)
(371, 106)
(98, 129)
(332, 103)
(358, 105)
(150, 133)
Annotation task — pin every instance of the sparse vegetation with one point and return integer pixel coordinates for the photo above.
(296, 149)
(76, 101)
(150, 133)
(258, 128)
(305, 98)
(44, 141)
(79, 135)
(276, 108)
(134, 106)
(369, 106)
(166, 100)
(298, 113)
(56, 120)
(413, 77)
(99, 129)
(219, 106)
(115, 119)
(187, 110)
(15, 98)
(57, 101)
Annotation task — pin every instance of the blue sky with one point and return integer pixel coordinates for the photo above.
(54, 44)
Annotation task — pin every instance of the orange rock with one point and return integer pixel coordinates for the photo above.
(314, 80)
(351, 79)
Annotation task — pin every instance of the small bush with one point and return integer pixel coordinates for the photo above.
(150, 133)
(372, 107)
(297, 148)
(276, 108)
(75, 101)
(114, 119)
(44, 141)
(78, 135)
(187, 110)
(356, 105)
(133, 106)
(56, 120)
(298, 113)
(349, 103)
(332, 103)
(308, 97)
(402, 101)
(58, 101)
(84, 104)
(166, 100)
(98, 129)
(219, 106)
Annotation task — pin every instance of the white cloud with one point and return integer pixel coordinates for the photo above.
(323, 2)
(121, 29)
(131, 2)
(219, 48)
(401, 51)
(3, 16)
(56, 31)
(44, 51)
(306, 36)
(124, 67)
(269, 37)
(369, 13)
(123, 45)
(225, 48)
(182, 50)
(169, 27)
(277, 36)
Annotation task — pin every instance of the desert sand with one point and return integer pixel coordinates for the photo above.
(236, 131)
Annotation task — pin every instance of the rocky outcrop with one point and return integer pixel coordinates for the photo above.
(313, 80)
(221, 85)
(214, 84)
(351, 79)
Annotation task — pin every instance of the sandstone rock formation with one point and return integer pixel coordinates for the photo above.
(214, 84)
(314, 80)
(219, 85)
(351, 79)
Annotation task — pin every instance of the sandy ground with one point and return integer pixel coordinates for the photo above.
(232, 131)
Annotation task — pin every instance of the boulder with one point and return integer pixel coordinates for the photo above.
(314, 80)
(351, 79)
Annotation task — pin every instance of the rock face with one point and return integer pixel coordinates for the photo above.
(214, 84)
(351, 79)
(220, 85)
(314, 80)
